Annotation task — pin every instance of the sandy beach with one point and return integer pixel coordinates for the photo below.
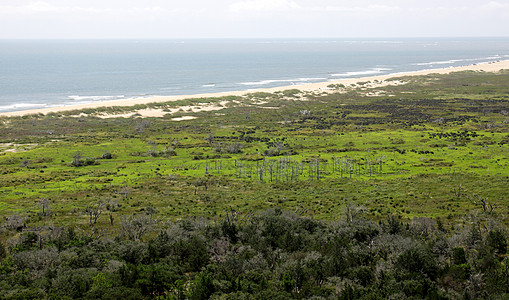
(311, 87)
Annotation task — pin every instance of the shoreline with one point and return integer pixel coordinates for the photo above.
(494, 66)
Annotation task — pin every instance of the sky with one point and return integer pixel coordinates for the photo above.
(152, 19)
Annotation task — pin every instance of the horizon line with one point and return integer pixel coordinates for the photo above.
(254, 38)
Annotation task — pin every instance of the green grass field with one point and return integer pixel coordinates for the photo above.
(433, 147)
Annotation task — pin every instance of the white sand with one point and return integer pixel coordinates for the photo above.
(184, 118)
(311, 87)
(146, 113)
(11, 147)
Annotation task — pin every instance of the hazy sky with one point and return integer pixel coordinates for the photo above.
(251, 18)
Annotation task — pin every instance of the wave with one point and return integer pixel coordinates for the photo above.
(95, 98)
(209, 85)
(22, 106)
(452, 61)
(492, 57)
(294, 81)
(174, 88)
(444, 62)
(359, 73)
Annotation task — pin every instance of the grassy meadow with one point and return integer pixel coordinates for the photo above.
(436, 146)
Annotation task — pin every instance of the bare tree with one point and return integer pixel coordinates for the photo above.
(134, 227)
(44, 204)
(485, 205)
(76, 159)
(201, 182)
(457, 192)
(300, 211)
(94, 211)
(352, 210)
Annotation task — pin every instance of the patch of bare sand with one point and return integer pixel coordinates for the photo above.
(376, 94)
(157, 113)
(14, 148)
(184, 118)
(199, 107)
(144, 113)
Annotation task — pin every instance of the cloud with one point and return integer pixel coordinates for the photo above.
(358, 9)
(36, 7)
(263, 5)
(496, 5)
(292, 6)
(41, 7)
(133, 18)
(45, 8)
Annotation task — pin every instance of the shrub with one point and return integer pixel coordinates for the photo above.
(80, 161)
(418, 261)
(497, 242)
(106, 155)
(233, 148)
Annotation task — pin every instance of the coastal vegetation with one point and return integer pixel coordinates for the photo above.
(374, 190)
(271, 254)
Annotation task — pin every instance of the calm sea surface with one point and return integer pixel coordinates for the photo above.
(41, 73)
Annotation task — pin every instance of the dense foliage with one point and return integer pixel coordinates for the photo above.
(273, 254)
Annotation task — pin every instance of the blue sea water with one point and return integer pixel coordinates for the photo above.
(48, 73)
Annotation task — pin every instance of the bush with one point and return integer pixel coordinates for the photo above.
(106, 155)
(201, 288)
(233, 148)
(417, 262)
(72, 283)
(497, 242)
(459, 256)
(80, 161)
(26, 242)
(3, 252)
(167, 152)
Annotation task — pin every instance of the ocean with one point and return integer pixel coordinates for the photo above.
(48, 73)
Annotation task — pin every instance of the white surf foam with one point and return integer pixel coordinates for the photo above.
(95, 98)
(360, 73)
(272, 81)
(22, 106)
(452, 61)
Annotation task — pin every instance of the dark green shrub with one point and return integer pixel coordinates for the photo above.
(26, 242)
(497, 242)
(201, 288)
(417, 261)
(459, 256)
